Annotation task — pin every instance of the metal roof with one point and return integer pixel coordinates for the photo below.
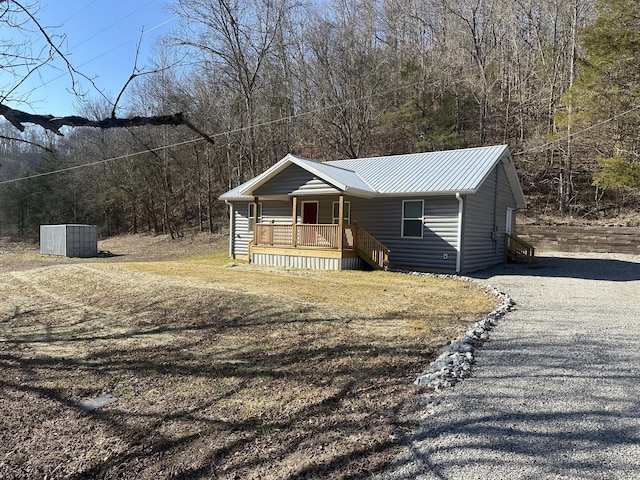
(427, 173)
(433, 173)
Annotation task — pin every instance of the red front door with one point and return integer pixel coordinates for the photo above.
(310, 212)
(309, 216)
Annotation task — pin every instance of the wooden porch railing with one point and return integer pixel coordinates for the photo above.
(310, 235)
(273, 234)
(518, 250)
(305, 235)
(323, 236)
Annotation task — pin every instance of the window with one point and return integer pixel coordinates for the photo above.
(346, 212)
(250, 215)
(412, 218)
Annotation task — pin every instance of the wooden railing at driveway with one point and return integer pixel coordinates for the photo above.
(517, 250)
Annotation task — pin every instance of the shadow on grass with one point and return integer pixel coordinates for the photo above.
(341, 427)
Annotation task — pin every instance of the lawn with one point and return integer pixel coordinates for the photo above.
(221, 369)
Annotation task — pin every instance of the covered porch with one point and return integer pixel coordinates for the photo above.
(315, 245)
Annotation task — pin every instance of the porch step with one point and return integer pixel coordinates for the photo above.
(517, 250)
(371, 250)
(371, 262)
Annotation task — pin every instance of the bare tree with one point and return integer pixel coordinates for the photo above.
(348, 73)
(234, 39)
(21, 62)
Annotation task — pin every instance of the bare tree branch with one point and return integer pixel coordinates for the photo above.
(53, 124)
(72, 70)
(134, 73)
(22, 140)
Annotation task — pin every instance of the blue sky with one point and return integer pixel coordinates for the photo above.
(101, 40)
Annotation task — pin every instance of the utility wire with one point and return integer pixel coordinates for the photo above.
(293, 117)
(286, 119)
(106, 52)
(99, 162)
(579, 132)
(214, 135)
(78, 12)
(108, 27)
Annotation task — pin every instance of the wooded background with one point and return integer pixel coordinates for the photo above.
(557, 80)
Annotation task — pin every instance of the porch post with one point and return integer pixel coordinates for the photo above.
(340, 222)
(255, 220)
(294, 222)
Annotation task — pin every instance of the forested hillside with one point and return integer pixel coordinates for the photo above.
(557, 80)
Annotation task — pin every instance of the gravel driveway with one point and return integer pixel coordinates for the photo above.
(555, 393)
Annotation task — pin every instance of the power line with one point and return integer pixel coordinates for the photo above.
(99, 162)
(286, 119)
(215, 135)
(99, 32)
(106, 52)
(580, 132)
(78, 12)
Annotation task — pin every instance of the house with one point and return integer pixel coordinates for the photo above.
(450, 211)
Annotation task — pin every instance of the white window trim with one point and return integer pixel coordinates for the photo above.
(421, 218)
(250, 215)
(347, 218)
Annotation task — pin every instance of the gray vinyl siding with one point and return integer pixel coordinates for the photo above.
(296, 181)
(289, 180)
(382, 218)
(278, 211)
(316, 186)
(482, 212)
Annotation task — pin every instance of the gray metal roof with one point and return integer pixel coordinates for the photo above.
(427, 173)
(433, 173)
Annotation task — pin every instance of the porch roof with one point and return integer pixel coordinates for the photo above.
(434, 173)
(345, 180)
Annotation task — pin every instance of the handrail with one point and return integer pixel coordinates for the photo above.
(370, 249)
(273, 234)
(518, 250)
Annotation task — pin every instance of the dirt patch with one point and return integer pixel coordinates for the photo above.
(221, 369)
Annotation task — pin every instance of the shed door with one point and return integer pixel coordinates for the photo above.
(309, 212)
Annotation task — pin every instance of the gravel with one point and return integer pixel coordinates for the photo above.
(554, 391)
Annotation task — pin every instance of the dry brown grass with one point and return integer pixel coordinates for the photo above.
(222, 369)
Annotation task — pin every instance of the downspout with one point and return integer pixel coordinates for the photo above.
(494, 235)
(459, 245)
(231, 229)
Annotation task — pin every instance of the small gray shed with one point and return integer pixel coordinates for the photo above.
(69, 240)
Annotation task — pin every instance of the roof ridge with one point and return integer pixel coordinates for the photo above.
(436, 152)
(326, 162)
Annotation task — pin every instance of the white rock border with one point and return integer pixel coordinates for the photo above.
(456, 361)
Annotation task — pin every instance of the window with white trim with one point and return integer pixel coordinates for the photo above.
(412, 218)
(250, 215)
(346, 213)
